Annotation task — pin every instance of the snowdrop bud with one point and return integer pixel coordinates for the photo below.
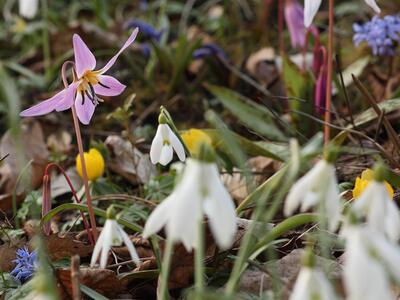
(110, 214)
(308, 259)
(379, 172)
(162, 119)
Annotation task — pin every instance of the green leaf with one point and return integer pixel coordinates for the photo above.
(249, 147)
(97, 212)
(92, 293)
(300, 90)
(251, 114)
(370, 114)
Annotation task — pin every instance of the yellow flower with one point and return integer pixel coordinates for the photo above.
(193, 138)
(94, 164)
(361, 183)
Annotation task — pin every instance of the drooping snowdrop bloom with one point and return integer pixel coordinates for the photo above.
(318, 187)
(28, 8)
(311, 8)
(371, 261)
(199, 192)
(294, 17)
(88, 84)
(376, 204)
(164, 143)
(312, 283)
(111, 235)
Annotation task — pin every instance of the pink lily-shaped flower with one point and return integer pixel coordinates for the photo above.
(88, 84)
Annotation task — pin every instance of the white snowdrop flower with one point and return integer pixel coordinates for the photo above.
(28, 8)
(311, 8)
(164, 142)
(312, 284)
(319, 188)
(376, 204)
(112, 234)
(200, 191)
(371, 261)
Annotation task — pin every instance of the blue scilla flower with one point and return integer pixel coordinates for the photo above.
(381, 34)
(25, 264)
(209, 49)
(146, 30)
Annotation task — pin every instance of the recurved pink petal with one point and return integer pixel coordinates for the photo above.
(44, 107)
(69, 97)
(115, 57)
(108, 86)
(84, 109)
(84, 58)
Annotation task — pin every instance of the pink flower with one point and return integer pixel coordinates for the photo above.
(294, 19)
(89, 84)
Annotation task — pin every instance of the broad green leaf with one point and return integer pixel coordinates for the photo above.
(300, 90)
(97, 211)
(370, 114)
(92, 293)
(251, 114)
(249, 147)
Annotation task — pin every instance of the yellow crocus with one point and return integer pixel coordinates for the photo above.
(193, 138)
(94, 164)
(362, 182)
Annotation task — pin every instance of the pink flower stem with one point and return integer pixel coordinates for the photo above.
(46, 191)
(327, 129)
(281, 37)
(81, 155)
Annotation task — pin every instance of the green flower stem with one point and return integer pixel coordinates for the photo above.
(199, 261)
(166, 264)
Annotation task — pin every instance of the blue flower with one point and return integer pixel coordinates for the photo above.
(381, 34)
(25, 264)
(209, 50)
(145, 29)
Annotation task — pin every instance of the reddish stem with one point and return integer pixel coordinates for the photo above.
(327, 129)
(71, 187)
(81, 155)
(280, 28)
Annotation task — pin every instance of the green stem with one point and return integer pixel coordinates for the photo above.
(169, 247)
(199, 261)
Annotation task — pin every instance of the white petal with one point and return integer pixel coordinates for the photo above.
(301, 290)
(159, 217)
(129, 245)
(108, 227)
(177, 145)
(332, 203)
(97, 249)
(219, 208)
(186, 209)
(389, 254)
(28, 8)
(310, 10)
(373, 5)
(392, 220)
(156, 147)
(166, 155)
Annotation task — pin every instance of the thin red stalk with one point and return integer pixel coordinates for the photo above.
(327, 129)
(81, 155)
(281, 4)
(74, 194)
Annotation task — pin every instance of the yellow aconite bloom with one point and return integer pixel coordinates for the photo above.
(361, 183)
(193, 138)
(94, 164)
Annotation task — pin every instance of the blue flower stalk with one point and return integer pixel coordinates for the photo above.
(26, 263)
(381, 34)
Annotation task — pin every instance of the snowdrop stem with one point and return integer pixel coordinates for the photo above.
(166, 264)
(199, 261)
(327, 129)
(81, 154)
